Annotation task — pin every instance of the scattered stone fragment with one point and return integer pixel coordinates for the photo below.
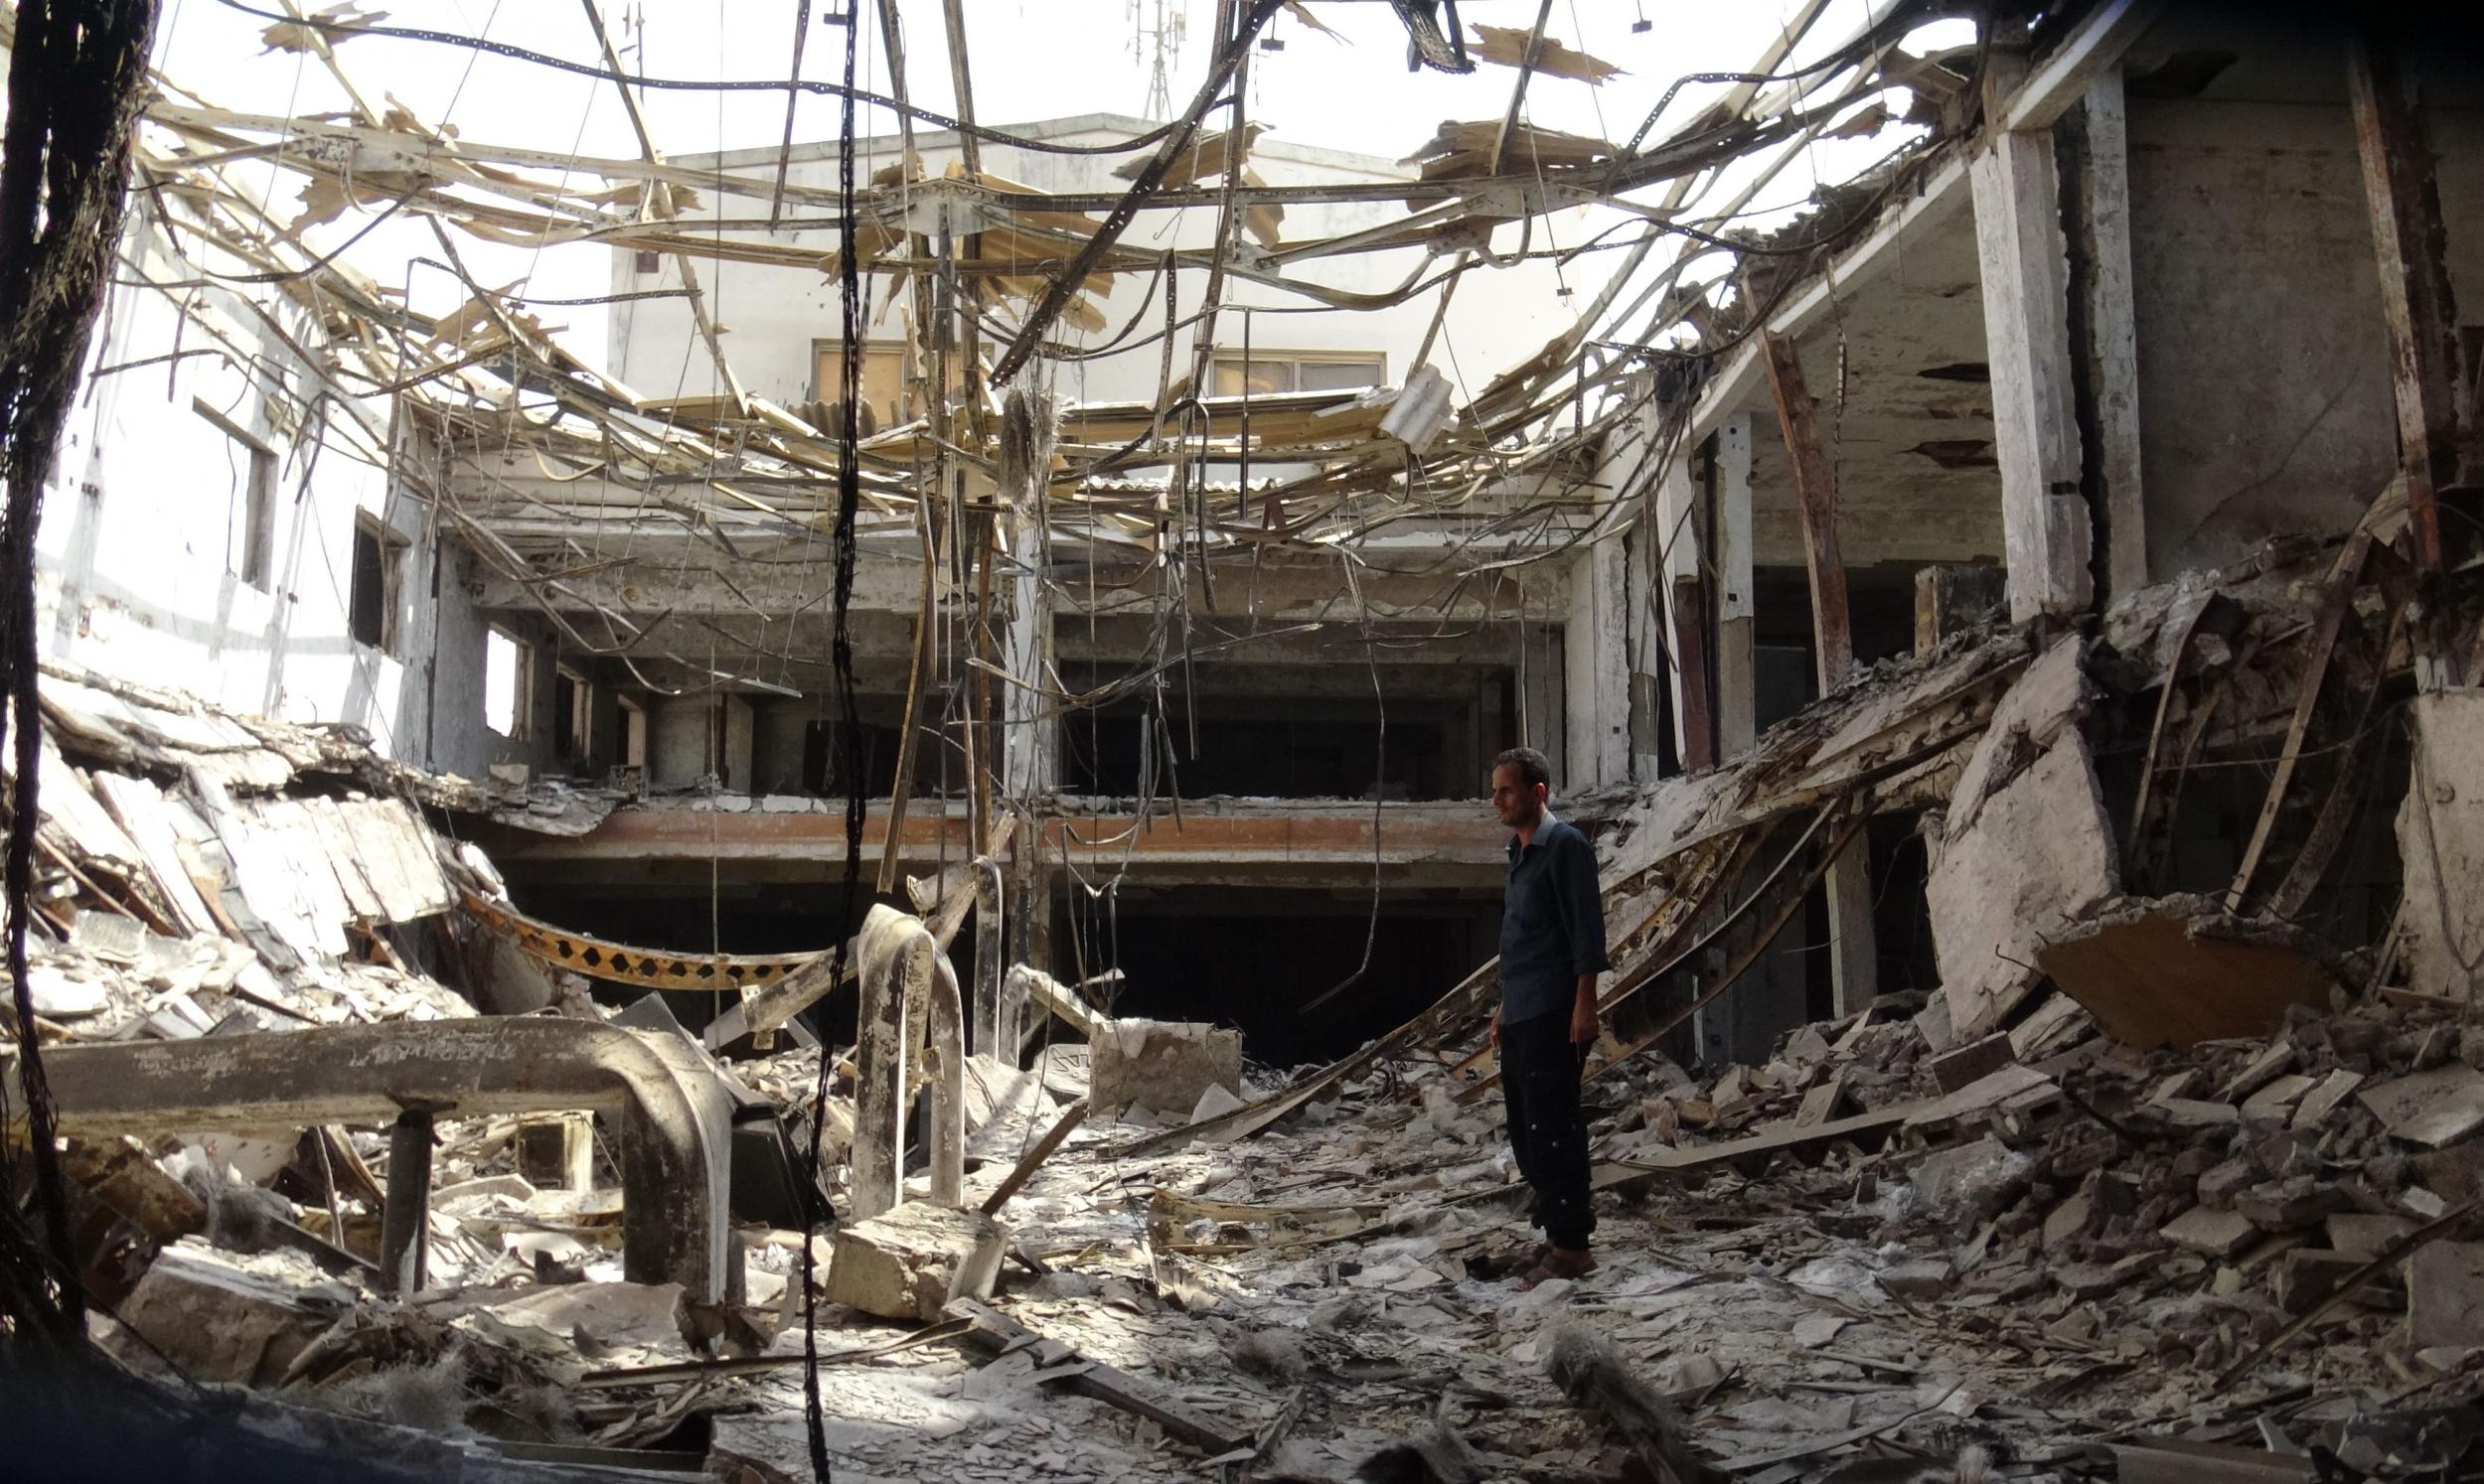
(2361, 1236)
(2276, 1100)
(221, 1320)
(1971, 1062)
(2261, 1069)
(2322, 1100)
(1923, 1278)
(2306, 1276)
(2218, 1234)
(2221, 1185)
(2445, 1295)
(1971, 1182)
(2072, 1217)
(911, 1262)
(2289, 1206)
(2193, 1112)
(2430, 1109)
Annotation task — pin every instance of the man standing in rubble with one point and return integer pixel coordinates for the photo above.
(1552, 946)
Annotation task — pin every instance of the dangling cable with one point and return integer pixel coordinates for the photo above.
(849, 731)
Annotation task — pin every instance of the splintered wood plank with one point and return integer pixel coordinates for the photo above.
(1815, 489)
(2416, 302)
(997, 1333)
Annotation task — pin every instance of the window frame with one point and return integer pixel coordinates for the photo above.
(521, 684)
(256, 565)
(392, 547)
(1376, 361)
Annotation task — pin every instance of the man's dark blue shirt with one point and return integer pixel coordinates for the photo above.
(1552, 923)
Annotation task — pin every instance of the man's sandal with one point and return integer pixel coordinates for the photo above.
(1556, 1265)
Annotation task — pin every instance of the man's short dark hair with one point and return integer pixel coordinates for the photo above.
(1532, 769)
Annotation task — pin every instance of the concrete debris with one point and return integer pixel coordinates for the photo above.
(2025, 847)
(914, 1260)
(219, 1317)
(2440, 841)
(2430, 1109)
(1161, 1065)
(2181, 970)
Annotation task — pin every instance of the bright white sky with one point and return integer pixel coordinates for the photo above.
(1030, 59)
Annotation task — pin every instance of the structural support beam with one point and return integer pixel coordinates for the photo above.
(1853, 946)
(2096, 139)
(406, 1218)
(1681, 597)
(1737, 657)
(994, 1018)
(2024, 259)
(1815, 491)
(2416, 296)
(673, 1115)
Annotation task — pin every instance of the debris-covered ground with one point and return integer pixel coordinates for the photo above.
(2156, 1169)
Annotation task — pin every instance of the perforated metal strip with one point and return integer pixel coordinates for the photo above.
(655, 968)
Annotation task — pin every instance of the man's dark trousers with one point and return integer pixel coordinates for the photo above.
(1539, 1076)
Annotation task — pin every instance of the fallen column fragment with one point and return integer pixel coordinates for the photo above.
(2440, 840)
(1161, 1065)
(2024, 847)
(913, 1262)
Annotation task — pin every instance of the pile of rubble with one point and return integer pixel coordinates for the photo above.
(2168, 1168)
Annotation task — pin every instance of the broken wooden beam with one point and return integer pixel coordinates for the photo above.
(2416, 301)
(1053, 1137)
(999, 1334)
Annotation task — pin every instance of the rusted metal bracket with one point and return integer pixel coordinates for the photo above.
(673, 1115)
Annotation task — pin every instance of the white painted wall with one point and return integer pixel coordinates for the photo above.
(139, 555)
(772, 315)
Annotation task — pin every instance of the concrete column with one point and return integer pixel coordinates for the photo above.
(2096, 144)
(1030, 744)
(1597, 714)
(2025, 265)
(1737, 672)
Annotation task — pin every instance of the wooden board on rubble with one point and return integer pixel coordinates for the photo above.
(1984, 1093)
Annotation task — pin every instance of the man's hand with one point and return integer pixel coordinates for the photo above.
(1582, 1018)
(1492, 1037)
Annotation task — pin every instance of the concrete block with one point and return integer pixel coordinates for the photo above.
(1161, 1064)
(2440, 839)
(2218, 1234)
(912, 1261)
(2445, 1295)
(1971, 1063)
(221, 1320)
(1971, 1182)
(1926, 1279)
(2027, 848)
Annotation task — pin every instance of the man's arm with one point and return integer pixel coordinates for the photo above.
(1583, 924)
